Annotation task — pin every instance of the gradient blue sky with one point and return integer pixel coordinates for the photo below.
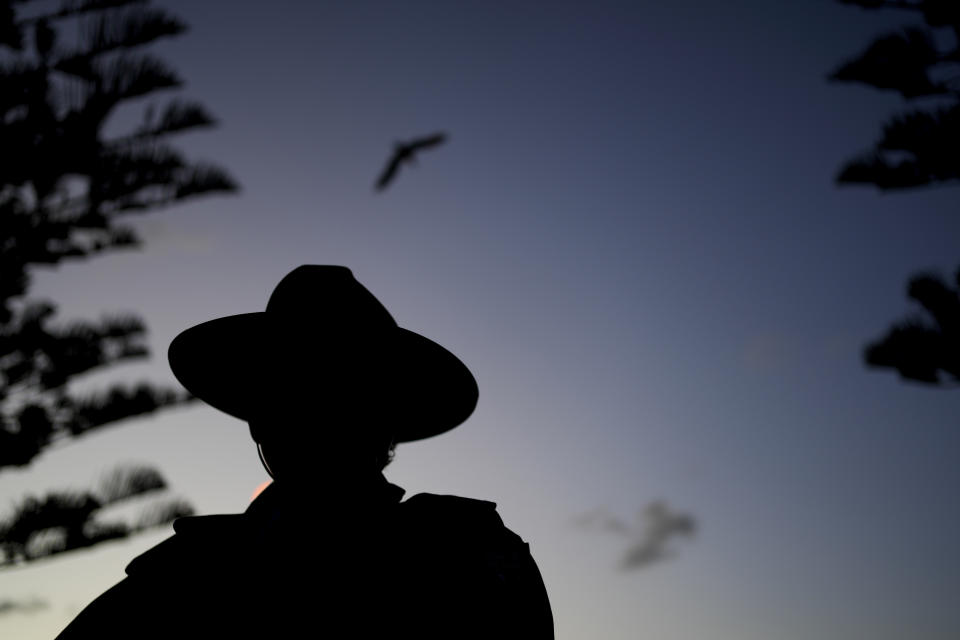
(633, 239)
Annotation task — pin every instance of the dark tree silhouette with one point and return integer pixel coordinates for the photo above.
(920, 349)
(65, 186)
(917, 148)
(68, 520)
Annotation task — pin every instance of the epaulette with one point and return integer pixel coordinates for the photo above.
(471, 527)
(452, 515)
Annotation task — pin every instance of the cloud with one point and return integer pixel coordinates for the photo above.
(650, 538)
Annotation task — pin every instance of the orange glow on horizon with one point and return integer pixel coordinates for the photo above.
(260, 489)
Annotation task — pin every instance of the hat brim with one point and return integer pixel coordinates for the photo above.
(245, 363)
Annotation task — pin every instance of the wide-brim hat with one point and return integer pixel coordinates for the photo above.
(325, 341)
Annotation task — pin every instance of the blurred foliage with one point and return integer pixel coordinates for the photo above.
(917, 148)
(65, 186)
(30, 605)
(69, 520)
(921, 349)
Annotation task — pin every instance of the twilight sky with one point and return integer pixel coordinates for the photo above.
(634, 240)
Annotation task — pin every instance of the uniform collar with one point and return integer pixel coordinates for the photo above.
(277, 499)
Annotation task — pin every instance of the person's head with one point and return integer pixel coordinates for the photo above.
(325, 377)
(308, 437)
(312, 426)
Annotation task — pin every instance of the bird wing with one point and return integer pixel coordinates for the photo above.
(389, 171)
(427, 141)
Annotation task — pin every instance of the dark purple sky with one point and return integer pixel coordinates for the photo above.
(634, 239)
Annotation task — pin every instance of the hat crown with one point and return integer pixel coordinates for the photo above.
(328, 296)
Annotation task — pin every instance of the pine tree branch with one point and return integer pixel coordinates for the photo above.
(915, 351)
(64, 521)
(11, 35)
(43, 241)
(130, 29)
(917, 348)
(64, 418)
(150, 176)
(113, 32)
(917, 148)
(133, 76)
(936, 13)
(118, 403)
(74, 8)
(121, 174)
(177, 116)
(201, 179)
(46, 357)
(873, 168)
(926, 134)
(161, 514)
(899, 61)
(124, 483)
(939, 301)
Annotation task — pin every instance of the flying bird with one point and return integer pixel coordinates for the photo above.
(404, 152)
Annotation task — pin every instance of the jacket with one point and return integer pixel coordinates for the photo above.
(432, 566)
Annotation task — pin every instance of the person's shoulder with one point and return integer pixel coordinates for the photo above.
(467, 527)
(449, 506)
(455, 514)
(484, 566)
(193, 544)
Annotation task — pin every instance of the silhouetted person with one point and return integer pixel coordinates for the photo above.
(328, 384)
(404, 152)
